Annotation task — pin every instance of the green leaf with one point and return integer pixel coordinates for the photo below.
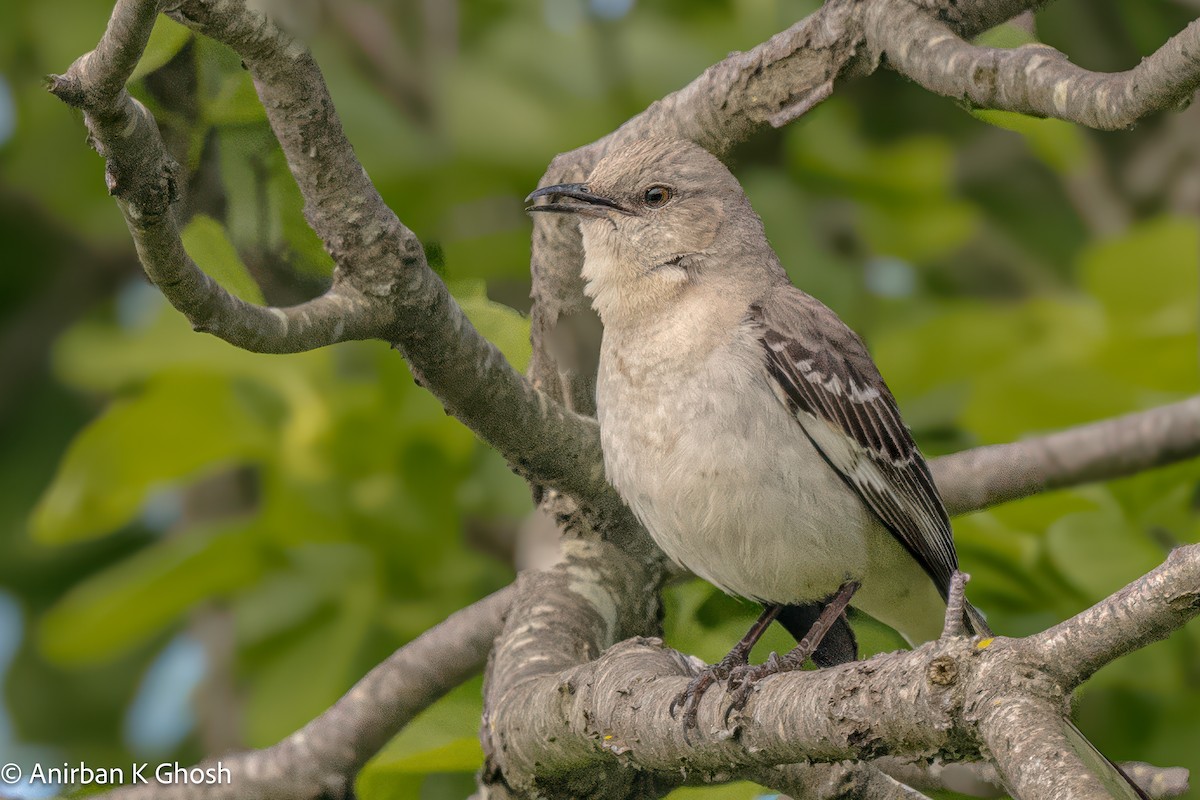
(505, 327)
(166, 40)
(1044, 394)
(235, 102)
(740, 790)
(315, 665)
(1147, 278)
(1099, 551)
(919, 166)
(401, 778)
(999, 559)
(100, 357)
(830, 150)
(443, 738)
(206, 242)
(918, 231)
(128, 603)
(1060, 145)
(177, 428)
(1007, 35)
(460, 755)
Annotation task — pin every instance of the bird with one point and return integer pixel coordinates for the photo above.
(744, 423)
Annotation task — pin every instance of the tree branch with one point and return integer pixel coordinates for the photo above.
(1039, 752)
(1113, 448)
(835, 781)
(1033, 79)
(321, 759)
(141, 175)
(969, 18)
(1147, 611)
(382, 288)
(981, 779)
(936, 701)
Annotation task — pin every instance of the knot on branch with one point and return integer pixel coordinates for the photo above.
(942, 671)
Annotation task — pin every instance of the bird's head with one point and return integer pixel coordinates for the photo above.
(656, 216)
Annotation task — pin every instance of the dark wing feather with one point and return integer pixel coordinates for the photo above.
(825, 376)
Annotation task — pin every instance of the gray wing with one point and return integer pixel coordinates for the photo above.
(828, 381)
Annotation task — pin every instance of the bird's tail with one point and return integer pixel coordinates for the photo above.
(1116, 782)
(975, 621)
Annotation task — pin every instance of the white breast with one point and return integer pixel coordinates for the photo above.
(722, 476)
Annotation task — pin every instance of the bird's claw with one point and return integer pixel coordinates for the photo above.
(689, 698)
(744, 680)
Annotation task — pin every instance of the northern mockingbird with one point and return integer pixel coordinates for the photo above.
(744, 423)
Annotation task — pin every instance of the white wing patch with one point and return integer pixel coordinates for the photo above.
(853, 392)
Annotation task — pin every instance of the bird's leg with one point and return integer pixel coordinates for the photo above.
(689, 698)
(743, 678)
(956, 604)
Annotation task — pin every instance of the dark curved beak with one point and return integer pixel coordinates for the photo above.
(587, 203)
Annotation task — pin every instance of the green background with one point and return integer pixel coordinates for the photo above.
(186, 525)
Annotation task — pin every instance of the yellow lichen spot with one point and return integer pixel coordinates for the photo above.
(984, 643)
(608, 737)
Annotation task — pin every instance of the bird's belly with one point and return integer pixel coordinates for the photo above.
(743, 500)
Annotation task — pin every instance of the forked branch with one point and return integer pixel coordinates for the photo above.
(952, 699)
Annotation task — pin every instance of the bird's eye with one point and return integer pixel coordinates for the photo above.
(657, 196)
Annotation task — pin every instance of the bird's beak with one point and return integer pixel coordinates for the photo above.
(593, 205)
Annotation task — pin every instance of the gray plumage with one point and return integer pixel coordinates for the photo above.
(741, 420)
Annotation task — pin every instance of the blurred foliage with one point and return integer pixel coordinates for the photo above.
(299, 517)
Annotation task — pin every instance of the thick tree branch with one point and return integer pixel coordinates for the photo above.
(948, 699)
(563, 617)
(1033, 79)
(323, 757)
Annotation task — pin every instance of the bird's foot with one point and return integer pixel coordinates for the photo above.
(689, 698)
(744, 679)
